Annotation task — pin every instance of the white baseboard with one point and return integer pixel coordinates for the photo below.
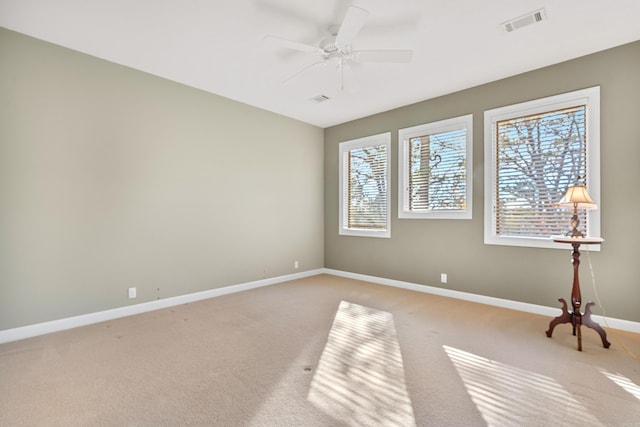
(623, 325)
(29, 331)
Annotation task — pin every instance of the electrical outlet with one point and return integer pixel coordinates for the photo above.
(133, 293)
(296, 264)
(443, 278)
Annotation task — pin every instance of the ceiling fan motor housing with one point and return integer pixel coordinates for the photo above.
(328, 45)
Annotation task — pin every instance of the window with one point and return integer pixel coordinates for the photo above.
(364, 184)
(435, 172)
(533, 152)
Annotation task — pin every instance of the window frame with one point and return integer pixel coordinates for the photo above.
(404, 136)
(345, 147)
(590, 97)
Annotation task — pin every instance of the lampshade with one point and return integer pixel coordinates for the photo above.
(577, 196)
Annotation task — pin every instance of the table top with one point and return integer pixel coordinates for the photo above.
(583, 240)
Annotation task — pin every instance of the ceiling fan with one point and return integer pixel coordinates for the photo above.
(336, 48)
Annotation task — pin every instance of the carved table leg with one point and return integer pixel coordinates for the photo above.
(565, 317)
(577, 317)
(589, 323)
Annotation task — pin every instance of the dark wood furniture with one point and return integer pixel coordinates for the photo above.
(575, 317)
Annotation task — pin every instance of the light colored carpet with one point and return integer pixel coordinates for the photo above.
(321, 351)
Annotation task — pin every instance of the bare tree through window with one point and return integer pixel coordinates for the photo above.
(368, 187)
(538, 157)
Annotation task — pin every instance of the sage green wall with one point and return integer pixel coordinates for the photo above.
(419, 250)
(111, 178)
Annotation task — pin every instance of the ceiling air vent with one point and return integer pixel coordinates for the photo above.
(523, 21)
(318, 99)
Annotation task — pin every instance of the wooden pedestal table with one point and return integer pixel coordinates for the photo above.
(575, 317)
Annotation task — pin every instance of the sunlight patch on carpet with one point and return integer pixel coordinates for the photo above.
(624, 382)
(509, 396)
(360, 379)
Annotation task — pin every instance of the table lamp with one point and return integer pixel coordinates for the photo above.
(577, 197)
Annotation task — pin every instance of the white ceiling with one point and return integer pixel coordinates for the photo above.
(217, 46)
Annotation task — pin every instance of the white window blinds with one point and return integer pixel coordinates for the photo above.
(534, 151)
(364, 186)
(539, 156)
(435, 176)
(367, 172)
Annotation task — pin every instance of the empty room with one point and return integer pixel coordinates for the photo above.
(303, 213)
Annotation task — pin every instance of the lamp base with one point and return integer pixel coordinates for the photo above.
(575, 233)
(575, 222)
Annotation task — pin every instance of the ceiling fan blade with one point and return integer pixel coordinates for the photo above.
(305, 69)
(351, 25)
(399, 56)
(290, 44)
